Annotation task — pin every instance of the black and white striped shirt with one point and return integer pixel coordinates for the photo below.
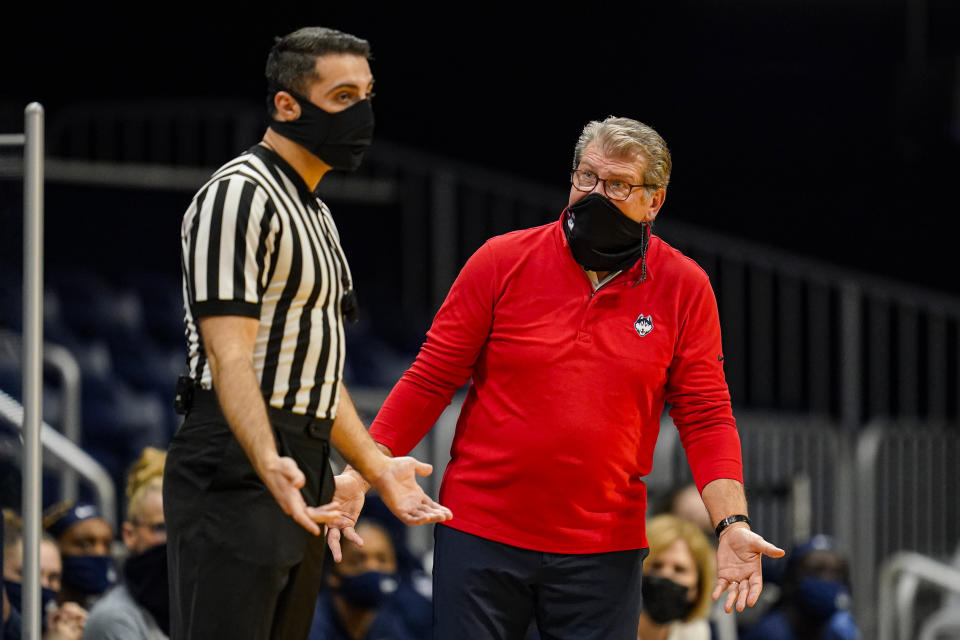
(256, 242)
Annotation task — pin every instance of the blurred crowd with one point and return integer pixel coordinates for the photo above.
(96, 582)
(101, 584)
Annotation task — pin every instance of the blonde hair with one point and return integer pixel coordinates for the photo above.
(144, 477)
(12, 528)
(628, 138)
(663, 531)
(13, 531)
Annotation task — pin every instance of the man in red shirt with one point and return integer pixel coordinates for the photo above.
(574, 336)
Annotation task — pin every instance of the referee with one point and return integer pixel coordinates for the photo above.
(266, 289)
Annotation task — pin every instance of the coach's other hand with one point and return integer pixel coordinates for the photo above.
(738, 566)
(398, 487)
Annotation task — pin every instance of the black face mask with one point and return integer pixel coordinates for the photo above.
(601, 238)
(89, 575)
(339, 139)
(367, 590)
(664, 600)
(145, 575)
(14, 591)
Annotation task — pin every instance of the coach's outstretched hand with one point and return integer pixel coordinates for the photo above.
(397, 486)
(738, 566)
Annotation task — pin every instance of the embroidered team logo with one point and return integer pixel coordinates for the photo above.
(643, 325)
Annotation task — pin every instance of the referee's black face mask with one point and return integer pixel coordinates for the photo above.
(339, 139)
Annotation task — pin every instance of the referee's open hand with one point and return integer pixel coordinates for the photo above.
(284, 479)
(349, 495)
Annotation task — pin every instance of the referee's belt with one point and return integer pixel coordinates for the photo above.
(315, 427)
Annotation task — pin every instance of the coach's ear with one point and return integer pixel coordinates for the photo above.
(656, 202)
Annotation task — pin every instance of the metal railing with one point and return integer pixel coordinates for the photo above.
(62, 452)
(887, 489)
(797, 474)
(896, 614)
(61, 361)
(907, 487)
(799, 335)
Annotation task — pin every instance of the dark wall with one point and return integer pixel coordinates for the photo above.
(815, 126)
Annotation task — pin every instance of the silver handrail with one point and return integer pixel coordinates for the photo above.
(939, 622)
(864, 574)
(67, 367)
(62, 361)
(902, 565)
(66, 452)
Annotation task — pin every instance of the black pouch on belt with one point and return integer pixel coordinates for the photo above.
(183, 398)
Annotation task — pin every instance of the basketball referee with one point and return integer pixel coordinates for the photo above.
(266, 289)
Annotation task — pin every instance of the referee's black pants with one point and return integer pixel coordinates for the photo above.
(239, 567)
(485, 590)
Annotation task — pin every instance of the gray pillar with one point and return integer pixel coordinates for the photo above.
(32, 365)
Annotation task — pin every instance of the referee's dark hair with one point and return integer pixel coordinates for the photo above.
(291, 64)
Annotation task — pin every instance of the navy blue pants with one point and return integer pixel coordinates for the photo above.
(492, 591)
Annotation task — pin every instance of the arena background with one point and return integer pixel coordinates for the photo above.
(822, 134)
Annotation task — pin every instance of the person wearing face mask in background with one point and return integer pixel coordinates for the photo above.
(267, 289)
(86, 543)
(573, 337)
(138, 607)
(59, 622)
(367, 596)
(684, 501)
(678, 576)
(815, 599)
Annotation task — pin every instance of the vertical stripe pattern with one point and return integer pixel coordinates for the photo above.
(256, 243)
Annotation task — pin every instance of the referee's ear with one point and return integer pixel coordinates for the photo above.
(286, 107)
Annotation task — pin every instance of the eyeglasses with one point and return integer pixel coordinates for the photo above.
(156, 528)
(583, 180)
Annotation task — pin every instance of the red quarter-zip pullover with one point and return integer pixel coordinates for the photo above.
(567, 388)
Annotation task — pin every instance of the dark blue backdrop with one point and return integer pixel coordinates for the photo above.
(815, 126)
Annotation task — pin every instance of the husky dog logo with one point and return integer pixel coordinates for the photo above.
(643, 325)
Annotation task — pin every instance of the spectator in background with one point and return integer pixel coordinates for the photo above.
(814, 600)
(684, 501)
(85, 540)
(374, 592)
(50, 564)
(677, 579)
(64, 622)
(139, 607)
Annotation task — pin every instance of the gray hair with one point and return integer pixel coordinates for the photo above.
(291, 63)
(628, 138)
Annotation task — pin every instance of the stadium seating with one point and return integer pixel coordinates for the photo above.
(127, 337)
